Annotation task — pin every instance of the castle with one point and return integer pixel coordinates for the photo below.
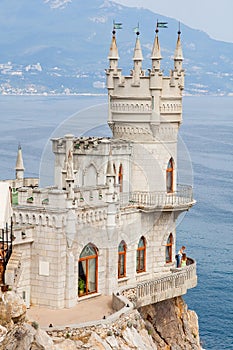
(108, 223)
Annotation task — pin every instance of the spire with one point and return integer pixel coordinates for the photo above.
(110, 168)
(156, 53)
(137, 58)
(113, 52)
(178, 55)
(19, 168)
(137, 50)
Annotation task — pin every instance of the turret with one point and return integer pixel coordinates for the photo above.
(137, 58)
(19, 168)
(156, 54)
(70, 175)
(113, 71)
(178, 55)
(113, 53)
(110, 174)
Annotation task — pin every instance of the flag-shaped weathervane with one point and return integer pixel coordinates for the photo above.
(117, 25)
(161, 24)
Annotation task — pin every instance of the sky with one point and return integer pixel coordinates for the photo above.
(212, 16)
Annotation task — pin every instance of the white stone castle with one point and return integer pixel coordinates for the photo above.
(108, 223)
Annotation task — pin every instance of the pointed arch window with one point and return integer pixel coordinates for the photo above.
(122, 259)
(120, 177)
(168, 252)
(88, 270)
(169, 175)
(141, 256)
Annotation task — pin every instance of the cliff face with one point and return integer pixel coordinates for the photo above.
(167, 325)
(172, 325)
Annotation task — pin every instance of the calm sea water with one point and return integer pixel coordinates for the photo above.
(206, 230)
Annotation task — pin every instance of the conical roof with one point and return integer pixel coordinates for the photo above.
(113, 52)
(156, 54)
(19, 161)
(137, 51)
(178, 55)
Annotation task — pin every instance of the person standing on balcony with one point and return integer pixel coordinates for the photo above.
(184, 260)
(179, 255)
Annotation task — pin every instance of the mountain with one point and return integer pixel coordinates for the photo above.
(62, 46)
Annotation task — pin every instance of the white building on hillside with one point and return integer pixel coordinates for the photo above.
(109, 221)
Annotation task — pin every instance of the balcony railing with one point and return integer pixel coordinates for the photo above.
(182, 197)
(169, 286)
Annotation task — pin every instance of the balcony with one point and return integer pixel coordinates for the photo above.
(168, 286)
(182, 199)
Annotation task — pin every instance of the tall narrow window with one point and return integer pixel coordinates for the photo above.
(120, 177)
(88, 270)
(122, 260)
(141, 256)
(168, 252)
(169, 175)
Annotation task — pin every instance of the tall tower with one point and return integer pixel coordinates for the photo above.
(147, 110)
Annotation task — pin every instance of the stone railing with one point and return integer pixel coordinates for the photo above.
(175, 284)
(182, 197)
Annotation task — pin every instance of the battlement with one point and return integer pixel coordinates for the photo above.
(143, 100)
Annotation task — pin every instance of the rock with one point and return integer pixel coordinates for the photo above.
(3, 332)
(172, 326)
(19, 338)
(97, 343)
(15, 306)
(67, 344)
(41, 338)
(24, 337)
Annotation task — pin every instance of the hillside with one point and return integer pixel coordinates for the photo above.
(61, 46)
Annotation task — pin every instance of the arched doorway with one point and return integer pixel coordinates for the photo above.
(88, 270)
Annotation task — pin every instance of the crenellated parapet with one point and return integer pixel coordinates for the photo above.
(141, 101)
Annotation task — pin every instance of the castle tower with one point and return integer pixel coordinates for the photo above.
(19, 168)
(147, 110)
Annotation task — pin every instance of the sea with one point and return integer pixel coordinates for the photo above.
(206, 140)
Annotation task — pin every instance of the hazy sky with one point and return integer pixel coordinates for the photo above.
(215, 17)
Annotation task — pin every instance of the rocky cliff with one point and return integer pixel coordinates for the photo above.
(167, 325)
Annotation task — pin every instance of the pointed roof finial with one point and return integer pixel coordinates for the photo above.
(178, 51)
(113, 52)
(136, 30)
(156, 54)
(137, 50)
(19, 161)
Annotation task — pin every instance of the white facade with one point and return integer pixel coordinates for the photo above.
(110, 218)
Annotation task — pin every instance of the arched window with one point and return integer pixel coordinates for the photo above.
(88, 270)
(122, 260)
(169, 175)
(141, 256)
(120, 177)
(168, 252)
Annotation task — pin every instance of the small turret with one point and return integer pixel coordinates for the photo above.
(113, 53)
(110, 173)
(178, 56)
(156, 54)
(70, 175)
(19, 168)
(137, 58)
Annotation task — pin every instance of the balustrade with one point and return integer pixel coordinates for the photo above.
(174, 284)
(183, 196)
